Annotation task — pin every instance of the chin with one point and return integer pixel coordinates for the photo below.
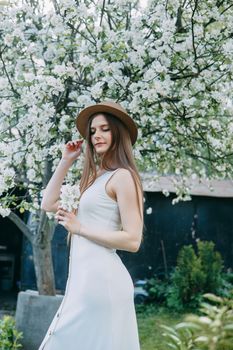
(102, 151)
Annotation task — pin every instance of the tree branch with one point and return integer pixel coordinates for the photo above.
(21, 225)
(8, 77)
(102, 12)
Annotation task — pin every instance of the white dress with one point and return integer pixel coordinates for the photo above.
(97, 311)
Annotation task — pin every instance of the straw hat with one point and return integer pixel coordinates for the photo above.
(108, 107)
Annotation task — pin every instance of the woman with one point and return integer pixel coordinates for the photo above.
(97, 311)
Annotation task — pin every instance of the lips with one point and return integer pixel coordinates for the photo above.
(100, 143)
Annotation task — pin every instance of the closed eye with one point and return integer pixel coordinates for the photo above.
(93, 131)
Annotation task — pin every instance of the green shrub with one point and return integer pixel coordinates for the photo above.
(212, 265)
(194, 275)
(226, 289)
(157, 289)
(9, 336)
(213, 330)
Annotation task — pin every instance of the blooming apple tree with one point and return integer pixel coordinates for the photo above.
(170, 64)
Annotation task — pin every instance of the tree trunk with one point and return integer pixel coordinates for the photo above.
(42, 231)
(42, 257)
(39, 231)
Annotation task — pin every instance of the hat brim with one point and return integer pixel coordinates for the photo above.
(85, 114)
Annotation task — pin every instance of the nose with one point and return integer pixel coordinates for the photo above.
(97, 134)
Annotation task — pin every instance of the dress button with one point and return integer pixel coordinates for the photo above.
(58, 315)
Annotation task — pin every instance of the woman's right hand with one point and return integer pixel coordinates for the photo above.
(72, 150)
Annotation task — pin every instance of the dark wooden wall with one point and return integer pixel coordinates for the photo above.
(167, 229)
(172, 226)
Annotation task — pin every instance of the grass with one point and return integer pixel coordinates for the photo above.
(150, 317)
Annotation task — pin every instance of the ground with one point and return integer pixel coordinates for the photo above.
(149, 320)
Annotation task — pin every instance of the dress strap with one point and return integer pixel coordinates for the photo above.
(109, 174)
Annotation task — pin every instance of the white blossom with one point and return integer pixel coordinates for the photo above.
(4, 211)
(6, 107)
(31, 174)
(149, 211)
(3, 83)
(173, 84)
(8, 40)
(69, 197)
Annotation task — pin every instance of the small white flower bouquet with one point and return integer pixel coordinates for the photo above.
(69, 197)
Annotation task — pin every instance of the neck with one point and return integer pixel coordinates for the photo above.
(112, 164)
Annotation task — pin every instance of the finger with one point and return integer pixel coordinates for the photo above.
(71, 144)
(63, 219)
(63, 224)
(61, 208)
(78, 142)
(78, 145)
(60, 212)
(59, 218)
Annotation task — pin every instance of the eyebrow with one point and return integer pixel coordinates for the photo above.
(92, 127)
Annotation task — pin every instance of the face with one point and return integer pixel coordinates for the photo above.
(101, 135)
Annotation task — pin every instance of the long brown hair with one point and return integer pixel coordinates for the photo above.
(119, 153)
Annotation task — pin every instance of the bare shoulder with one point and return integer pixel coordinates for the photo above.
(126, 191)
(117, 183)
(121, 172)
(122, 179)
(123, 175)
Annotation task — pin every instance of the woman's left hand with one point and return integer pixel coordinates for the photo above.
(68, 220)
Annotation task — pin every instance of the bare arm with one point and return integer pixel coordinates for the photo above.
(121, 240)
(50, 200)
